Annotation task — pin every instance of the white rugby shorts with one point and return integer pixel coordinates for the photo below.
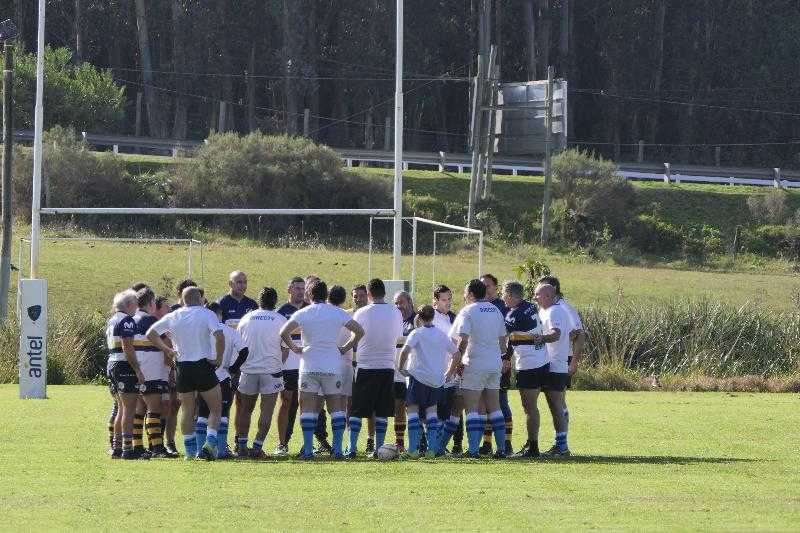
(478, 380)
(320, 383)
(152, 366)
(252, 384)
(347, 372)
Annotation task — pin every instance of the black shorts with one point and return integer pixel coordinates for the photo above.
(122, 379)
(399, 389)
(505, 380)
(290, 379)
(156, 386)
(373, 393)
(227, 400)
(536, 378)
(196, 376)
(423, 396)
(556, 381)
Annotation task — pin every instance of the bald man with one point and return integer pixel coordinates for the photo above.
(555, 335)
(235, 304)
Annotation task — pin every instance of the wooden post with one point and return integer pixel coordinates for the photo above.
(667, 173)
(494, 73)
(548, 125)
(223, 115)
(475, 136)
(387, 133)
(776, 180)
(640, 157)
(306, 122)
(717, 154)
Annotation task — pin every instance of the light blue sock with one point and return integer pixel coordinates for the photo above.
(200, 430)
(450, 427)
(212, 439)
(433, 433)
(338, 423)
(413, 429)
(222, 437)
(308, 422)
(190, 445)
(355, 428)
(381, 426)
(475, 427)
(499, 428)
(561, 441)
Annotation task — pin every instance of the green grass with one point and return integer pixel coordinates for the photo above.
(643, 461)
(87, 274)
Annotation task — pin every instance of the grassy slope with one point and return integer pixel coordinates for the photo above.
(86, 274)
(644, 461)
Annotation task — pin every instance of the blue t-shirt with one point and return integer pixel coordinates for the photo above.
(500, 304)
(287, 310)
(524, 318)
(233, 310)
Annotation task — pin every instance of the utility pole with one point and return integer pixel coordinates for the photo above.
(548, 125)
(7, 32)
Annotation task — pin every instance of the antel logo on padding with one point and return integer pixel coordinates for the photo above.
(35, 311)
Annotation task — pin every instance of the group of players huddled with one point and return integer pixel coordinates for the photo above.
(433, 371)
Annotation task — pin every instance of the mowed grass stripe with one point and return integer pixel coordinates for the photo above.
(644, 461)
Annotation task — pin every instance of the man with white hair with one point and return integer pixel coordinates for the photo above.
(125, 376)
(191, 328)
(555, 335)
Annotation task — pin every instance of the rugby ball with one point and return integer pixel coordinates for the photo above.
(387, 452)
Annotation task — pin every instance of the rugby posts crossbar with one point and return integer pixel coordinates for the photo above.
(167, 211)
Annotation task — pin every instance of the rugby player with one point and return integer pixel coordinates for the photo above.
(320, 362)
(123, 371)
(425, 358)
(287, 411)
(373, 393)
(360, 300)
(155, 369)
(336, 297)
(505, 379)
(577, 337)
(169, 418)
(190, 329)
(235, 304)
(321, 431)
(451, 406)
(261, 372)
(531, 361)
(182, 285)
(404, 302)
(235, 354)
(482, 334)
(555, 333)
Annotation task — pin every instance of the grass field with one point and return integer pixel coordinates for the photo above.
(642, 461)
(86, 274)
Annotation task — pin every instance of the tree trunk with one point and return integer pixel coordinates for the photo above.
(530, 24)
(20, 19)
(565, 29)
(251, 90)
(291, 58)
(154, 122)
(79, 45)
(546, 32)
(180, 120)
(659, 70)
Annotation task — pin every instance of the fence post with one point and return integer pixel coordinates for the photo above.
(667, 173)
(640, 157)
(115, 148)
(306, 122)
(717, 154)
(776, 180)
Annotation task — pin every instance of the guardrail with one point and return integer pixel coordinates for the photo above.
(462, 162)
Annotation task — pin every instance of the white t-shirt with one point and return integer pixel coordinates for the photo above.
(430, 355)
(260, 330)
(233, 345)
(383, 325)
(344, 338)
(320, 325)
(190, 329)
(484, 324)
(554, 317)
(443, 324)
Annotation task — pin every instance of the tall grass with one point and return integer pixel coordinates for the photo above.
(694, 345)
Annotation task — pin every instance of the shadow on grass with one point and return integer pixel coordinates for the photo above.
(650, 459)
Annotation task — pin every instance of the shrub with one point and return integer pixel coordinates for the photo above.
(769, 208)
(592, 192)
(772, 240)
(652, 235)
(262, 171)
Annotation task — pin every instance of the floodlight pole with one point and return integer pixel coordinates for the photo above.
(37, 147)
(398, 147)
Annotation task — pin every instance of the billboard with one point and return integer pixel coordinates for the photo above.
(520, 120)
